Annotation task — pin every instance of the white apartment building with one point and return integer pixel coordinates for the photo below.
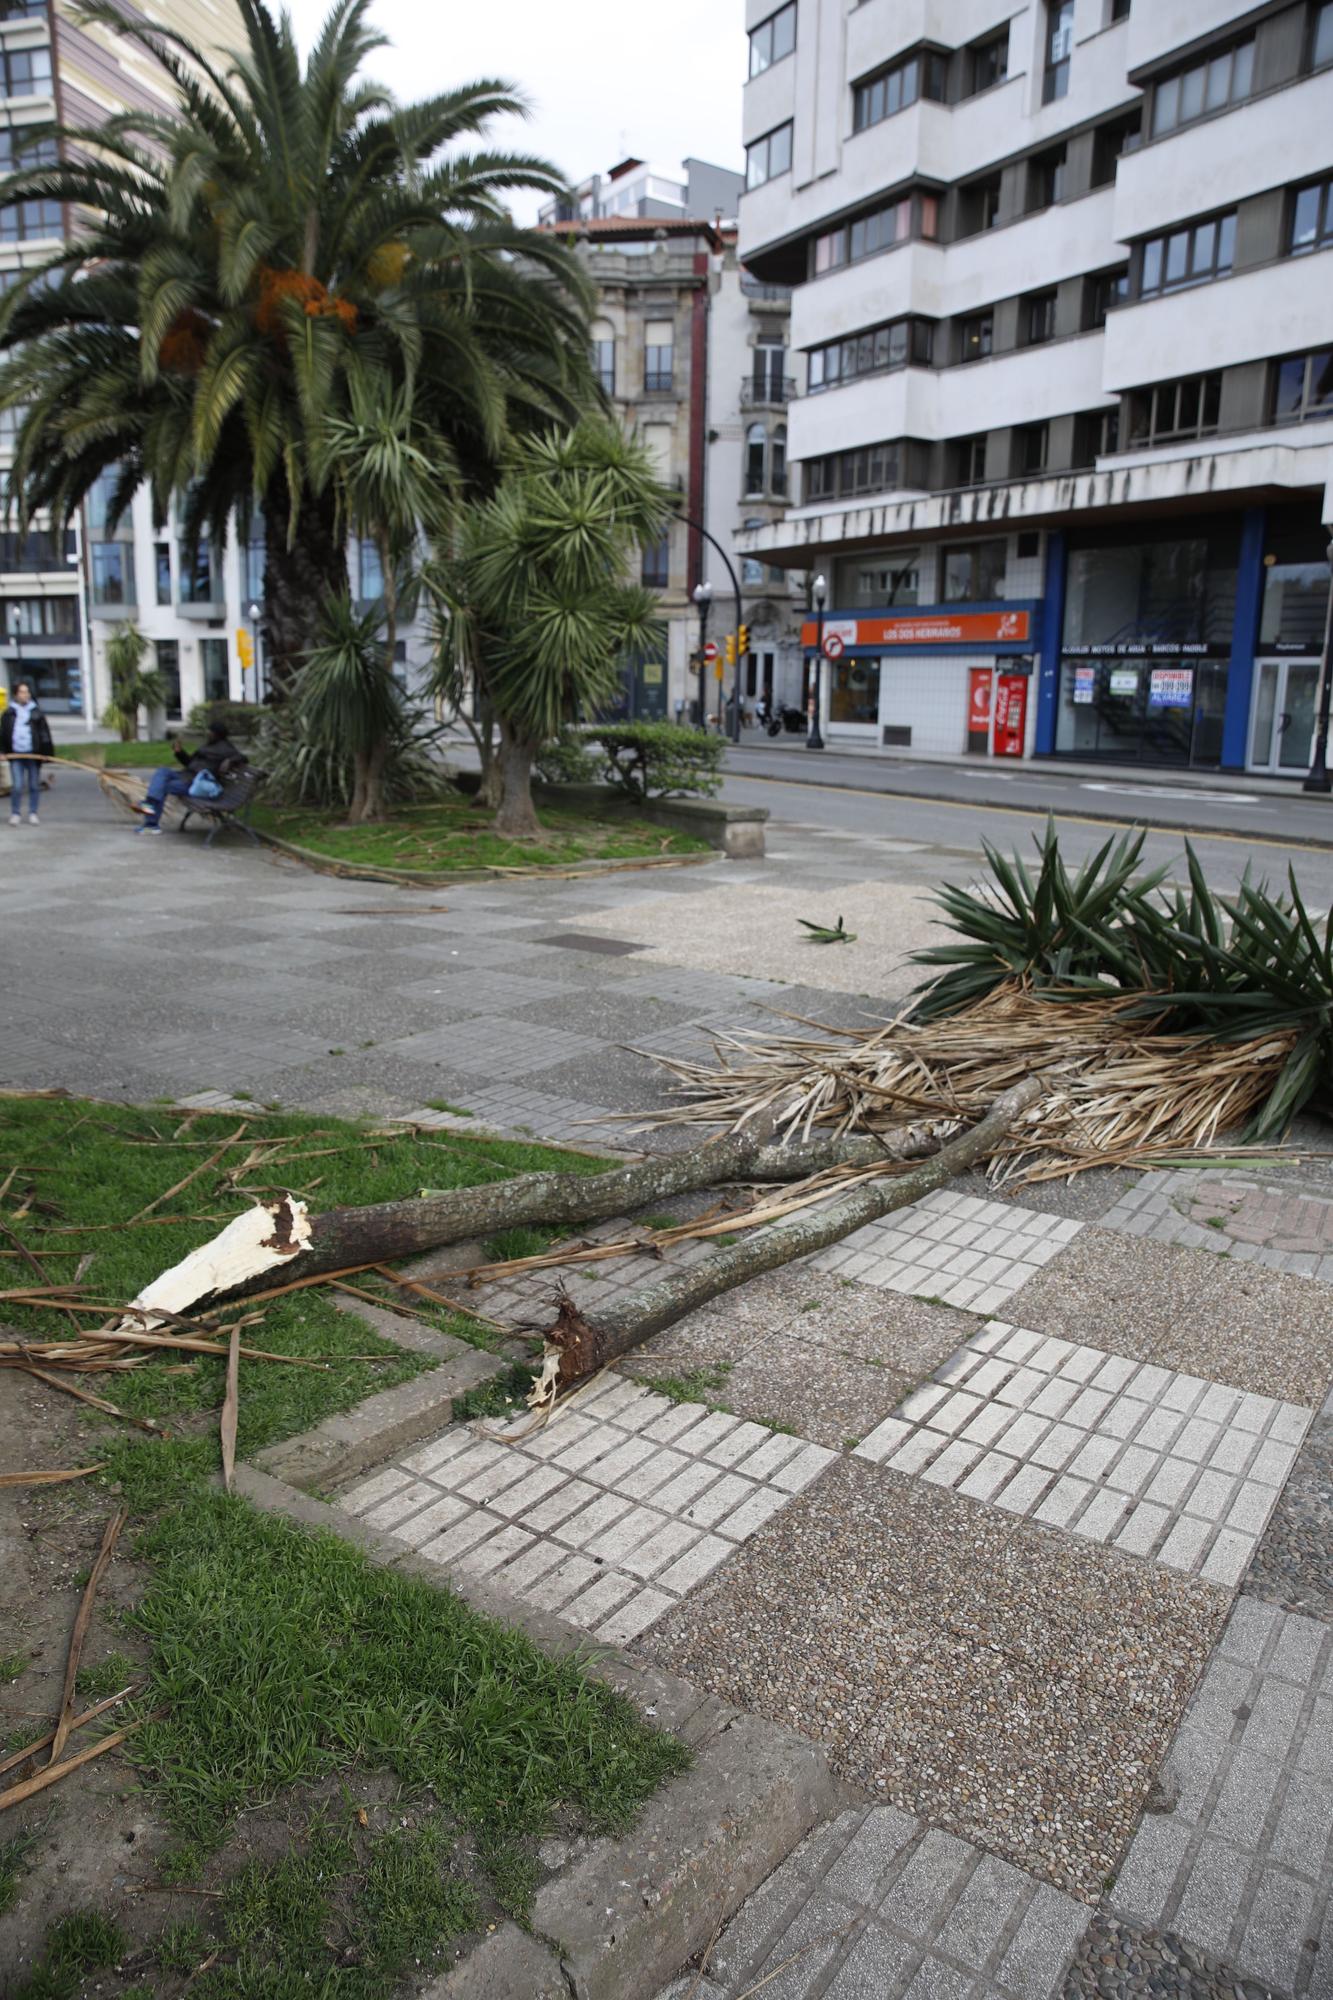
(692, 353)
(1062, 442)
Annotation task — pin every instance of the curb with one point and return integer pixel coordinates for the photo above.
(618, 1918)
(411, 878)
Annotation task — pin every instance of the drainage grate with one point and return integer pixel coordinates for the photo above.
(584, 941)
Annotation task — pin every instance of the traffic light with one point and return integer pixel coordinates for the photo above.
(743, 641)
(245, 648)
(731, 649)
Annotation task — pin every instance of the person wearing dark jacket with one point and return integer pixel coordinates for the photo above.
(25, 738)
(216, 755)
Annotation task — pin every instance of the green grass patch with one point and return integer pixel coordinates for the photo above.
(122, 756)
(277, 1658)
(508, 1244)
(698, 1385)
(11, 1666)
(499, 1397)
(284, 1657)
(455, 833)
(12, 1855)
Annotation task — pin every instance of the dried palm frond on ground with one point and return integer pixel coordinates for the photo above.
(1116, 1090)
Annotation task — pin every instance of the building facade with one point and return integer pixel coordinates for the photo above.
(1062, 437)
(60, 603)
(692, 354)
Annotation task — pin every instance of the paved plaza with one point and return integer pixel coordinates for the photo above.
(1016, 1503)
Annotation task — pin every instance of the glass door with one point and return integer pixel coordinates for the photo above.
(1286, 692)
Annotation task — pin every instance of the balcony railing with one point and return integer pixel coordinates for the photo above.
(772, 392)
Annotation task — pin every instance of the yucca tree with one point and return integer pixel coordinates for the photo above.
(241, 261)
(132, 688)
(542, 587)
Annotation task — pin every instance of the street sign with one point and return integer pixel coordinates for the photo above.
(710, 650)
(833, 646)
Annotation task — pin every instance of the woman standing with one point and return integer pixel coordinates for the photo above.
(25, 738)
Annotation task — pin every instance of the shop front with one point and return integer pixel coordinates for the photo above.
(940, 681)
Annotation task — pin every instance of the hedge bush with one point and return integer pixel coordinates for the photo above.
(660, 759)
(241, 719)
(570, 759)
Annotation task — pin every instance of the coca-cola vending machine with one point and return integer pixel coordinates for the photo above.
(1011, 713)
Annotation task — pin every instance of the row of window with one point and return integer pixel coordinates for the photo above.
(659, 359)
(895, 222)
(870, 353)
(956, 573)
(26, 72)
(893, 89)
(1188, 256)
(768, 157)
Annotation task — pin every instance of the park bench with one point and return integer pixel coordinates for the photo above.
(229, 807)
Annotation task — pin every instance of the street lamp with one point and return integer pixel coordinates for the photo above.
(1319, 780)
(85, 648)
(255, 608)
(703, 597)
(814, 740)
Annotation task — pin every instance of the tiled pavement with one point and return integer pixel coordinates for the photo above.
(1278, 1227)
(962, 1251)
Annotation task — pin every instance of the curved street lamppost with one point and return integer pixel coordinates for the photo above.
(1319, 779)
(703, 597)
(814, 739)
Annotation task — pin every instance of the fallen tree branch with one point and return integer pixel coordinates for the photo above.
(51, 1774)
(344, 1240)
(76, 1722)
(47, 1478)
(577, 1345)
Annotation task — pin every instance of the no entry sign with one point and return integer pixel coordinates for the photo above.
(710, 650)
(833, 646)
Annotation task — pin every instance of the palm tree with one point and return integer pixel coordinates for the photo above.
(242, 261)
(541, 579)
(131, 688)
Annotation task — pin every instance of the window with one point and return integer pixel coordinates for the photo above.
(1188, 256)
(1102, 293)
(768, 380)
(1038, 322)
(658, 356)
(656, 570)
(254, 560)
(36, 550)
(169, 666)
(213, 659)
(41, 617)
(1303, 387)
(777, 463)
(974, 572)
(1110, 143)
(1046, 179)
(26, 221)
(979, 206)
(604, 365)
(768, 157)
(1185, 409)
(923, 75)
(22, 10)
(1059, 48)
(976, 337)
(773, 39)
(162, 571)
(987, 62)
(1321, 49)
(1206, 86)
(1032, 443)
(1096, 434)
(881, 229)
(853, 694)
(113, 572)
(870, 469)
(969, 460)
(756, 455)
(1311, 218)
(895, 345)
(369, 573)
(881, 580)
(27, 72)
(1119, 12)
(197, 580)
(752, 569)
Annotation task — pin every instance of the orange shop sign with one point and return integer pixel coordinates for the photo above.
(934, 628)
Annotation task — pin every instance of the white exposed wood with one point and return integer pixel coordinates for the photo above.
(257, 1242)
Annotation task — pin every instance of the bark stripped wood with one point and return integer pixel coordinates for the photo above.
(577, 1345)
(65, 1720)
(344, 1240)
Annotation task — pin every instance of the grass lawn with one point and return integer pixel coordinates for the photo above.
(122, 756)
(283, 1674)
(456, 833)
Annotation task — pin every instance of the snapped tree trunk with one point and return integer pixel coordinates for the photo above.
(578, 1345)
(344, 1237)
(299, 578)
(517, 816)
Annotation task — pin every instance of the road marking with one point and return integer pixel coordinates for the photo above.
(1036, 812)
(1177, 792)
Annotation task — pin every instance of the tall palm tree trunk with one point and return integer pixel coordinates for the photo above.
(299, 578)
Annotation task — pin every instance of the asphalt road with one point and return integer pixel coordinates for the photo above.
(954, 809)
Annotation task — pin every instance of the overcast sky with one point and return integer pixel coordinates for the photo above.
(605, 78)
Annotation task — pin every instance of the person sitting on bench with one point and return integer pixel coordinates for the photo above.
(217, 755)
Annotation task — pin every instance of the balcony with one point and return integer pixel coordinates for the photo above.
(773, 392)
